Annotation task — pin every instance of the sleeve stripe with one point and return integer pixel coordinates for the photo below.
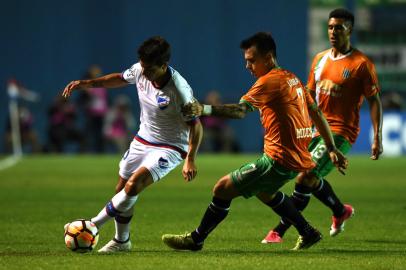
(250, 106)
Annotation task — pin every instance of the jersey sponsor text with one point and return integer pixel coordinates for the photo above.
(303, 133)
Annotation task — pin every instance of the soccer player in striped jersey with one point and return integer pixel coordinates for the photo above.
(285, 107)
(339, 79)
(164, 139)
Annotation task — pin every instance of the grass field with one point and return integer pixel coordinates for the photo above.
(41, 193)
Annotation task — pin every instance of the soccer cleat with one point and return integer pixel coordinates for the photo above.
(304, 242)
(338, 222)
(114, 246)
(272, 237)
(181, 242)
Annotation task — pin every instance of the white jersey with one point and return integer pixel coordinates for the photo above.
(161, 120)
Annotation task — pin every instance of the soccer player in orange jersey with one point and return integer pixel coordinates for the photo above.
(285, 107)
(339, 79)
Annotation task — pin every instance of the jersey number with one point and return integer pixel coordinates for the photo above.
(299, 92)
(319, 151)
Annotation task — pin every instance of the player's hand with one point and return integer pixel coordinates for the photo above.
(70, 87)
(192, 109)
(339, 160)
(189, 170)
(376, 149)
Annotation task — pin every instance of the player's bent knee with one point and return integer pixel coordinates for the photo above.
(137, 183)
(224, 189)
(133, 188)
(308, 180)
(265, 197)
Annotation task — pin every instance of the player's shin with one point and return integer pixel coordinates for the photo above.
(215, 213)
(300, 198)
(119, 204)
(122, 224)
(284, 207)
(324, 192)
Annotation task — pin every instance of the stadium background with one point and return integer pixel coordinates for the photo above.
(45, 44)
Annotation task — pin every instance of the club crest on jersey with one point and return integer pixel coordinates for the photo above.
(346, 73)
(163, 163)
(141, 87)
(163, 102)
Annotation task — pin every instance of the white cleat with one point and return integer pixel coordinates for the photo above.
(114, 246)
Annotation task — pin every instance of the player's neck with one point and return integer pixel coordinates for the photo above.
(163, 80)
(272, 65)
(337, 52)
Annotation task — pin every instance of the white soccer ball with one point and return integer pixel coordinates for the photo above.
(81, 235)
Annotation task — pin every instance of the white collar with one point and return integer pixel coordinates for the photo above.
(330, 54)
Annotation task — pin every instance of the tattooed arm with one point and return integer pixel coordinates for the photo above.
(108, 81)
(237, 111)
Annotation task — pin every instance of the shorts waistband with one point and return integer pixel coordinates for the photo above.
(182, 153)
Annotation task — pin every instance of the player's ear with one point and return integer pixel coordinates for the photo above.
(349, 27)
(271, 59)
(164, 66)
(268, 57)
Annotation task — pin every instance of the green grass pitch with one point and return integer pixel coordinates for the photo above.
(41, 193)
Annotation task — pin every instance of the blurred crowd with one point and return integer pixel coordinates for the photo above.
(218, 136)
(92, 123)
(392, 101)
(86, 124)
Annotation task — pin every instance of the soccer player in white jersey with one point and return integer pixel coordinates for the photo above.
(165, 136)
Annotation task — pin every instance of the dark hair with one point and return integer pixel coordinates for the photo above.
(263, 41)
(155, 50)
(342, 13)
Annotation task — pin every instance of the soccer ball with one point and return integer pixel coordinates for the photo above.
(81, 235)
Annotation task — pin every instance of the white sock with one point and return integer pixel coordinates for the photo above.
(101, 218)
(121, 202)
(123, 229)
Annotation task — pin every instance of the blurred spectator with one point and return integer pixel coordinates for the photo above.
(28, 135)
(16, 90)
(119, 124)
(63, 127)
(392, 101)
(94, 103)
(217, 136)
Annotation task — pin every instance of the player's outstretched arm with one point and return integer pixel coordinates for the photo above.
(375, 110)
(338, 158)
(236, 111)
(112, 80)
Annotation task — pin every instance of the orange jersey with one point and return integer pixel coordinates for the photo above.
(282, 102)
(340, 85)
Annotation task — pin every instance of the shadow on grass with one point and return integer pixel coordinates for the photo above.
(388, 242)
(374, 252)
(219, 252)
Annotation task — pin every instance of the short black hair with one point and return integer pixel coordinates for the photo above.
(342, 13)
(155, 51)
(263, 41)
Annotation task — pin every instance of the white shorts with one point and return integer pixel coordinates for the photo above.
(159, 161)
